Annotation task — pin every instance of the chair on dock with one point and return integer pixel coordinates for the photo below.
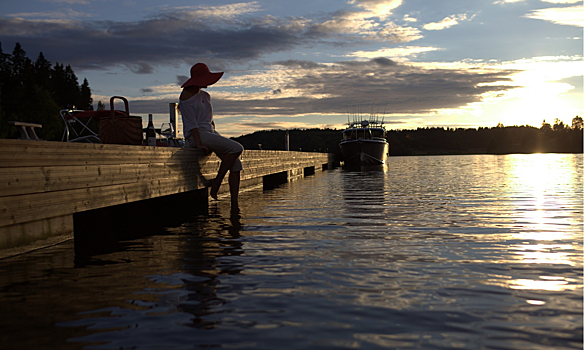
(78, 126)
(26, 130)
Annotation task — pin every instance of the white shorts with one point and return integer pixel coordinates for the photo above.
(218, 144)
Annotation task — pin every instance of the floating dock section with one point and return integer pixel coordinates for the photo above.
(45, 186)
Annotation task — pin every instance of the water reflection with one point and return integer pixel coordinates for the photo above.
(541, 193)
(550, 283)
(364, 191)
(209, 252)
(186, 295)
(545, 254)
(433, 252)
(541, 190)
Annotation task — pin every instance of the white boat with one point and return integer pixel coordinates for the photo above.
(364, 143)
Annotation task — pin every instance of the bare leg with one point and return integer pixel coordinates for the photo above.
(227, 161)
(234, 180)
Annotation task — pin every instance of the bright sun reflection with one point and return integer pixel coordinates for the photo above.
(544, 284)
(539, 190)
(545, 254)
(546, 218)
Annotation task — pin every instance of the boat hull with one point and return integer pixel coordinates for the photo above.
(364, 152)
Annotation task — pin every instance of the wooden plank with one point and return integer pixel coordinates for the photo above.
(19, 181)
(43, 153)
(32, 207)
(120, 152)
(16, 153)
(73, 158)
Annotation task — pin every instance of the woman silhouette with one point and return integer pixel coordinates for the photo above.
(199, 130)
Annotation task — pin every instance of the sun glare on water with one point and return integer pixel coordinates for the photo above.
(548, 232)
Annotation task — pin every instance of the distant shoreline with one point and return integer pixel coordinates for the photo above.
(433, 141)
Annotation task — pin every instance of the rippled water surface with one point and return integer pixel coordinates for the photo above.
(444, 252)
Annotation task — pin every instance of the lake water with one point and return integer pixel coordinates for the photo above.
(436, 252)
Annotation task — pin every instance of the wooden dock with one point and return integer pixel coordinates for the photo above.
(43, 184)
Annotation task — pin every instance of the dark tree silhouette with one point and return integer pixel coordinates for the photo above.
(577, 123)
(36, 91)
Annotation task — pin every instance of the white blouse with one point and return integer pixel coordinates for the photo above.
(197, 113)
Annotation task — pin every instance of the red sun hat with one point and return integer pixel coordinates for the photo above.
(202, 76)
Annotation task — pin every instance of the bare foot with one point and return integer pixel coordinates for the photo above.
(235, 215)
(215, 184)
(234, 209)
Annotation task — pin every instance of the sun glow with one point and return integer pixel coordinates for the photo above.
(543, 219)
(540, 94)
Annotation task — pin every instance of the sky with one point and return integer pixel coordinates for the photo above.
(317, 64)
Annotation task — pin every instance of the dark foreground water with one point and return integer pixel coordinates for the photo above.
(446, 252)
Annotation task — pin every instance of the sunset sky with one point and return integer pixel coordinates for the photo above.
(305, 63)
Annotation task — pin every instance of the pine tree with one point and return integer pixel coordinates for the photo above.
(577, 123)
(85, 100)
(19, 63)
(42, 72)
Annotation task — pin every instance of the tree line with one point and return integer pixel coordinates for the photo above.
(35, 91)
(310, 140)
(556, 138)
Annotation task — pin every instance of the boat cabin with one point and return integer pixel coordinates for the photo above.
(364, 134)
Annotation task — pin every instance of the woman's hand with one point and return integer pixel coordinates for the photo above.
(197, 138)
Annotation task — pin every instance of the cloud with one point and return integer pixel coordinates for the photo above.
(141, 67)
(290, 94)
(295, 89)
(20, 28)
(506, 1)
(181, 79)
(397, 52)
(229, 11)
(570, 16)
(164, 40)
(406, 89)
(355, 23)
(399, 34)
(378, 8)
(360, 25)
(61, 14)
(386, 62)
(408, 18)
(448, 22)
(299, 64)
(228, 33)
(562, 1)
(69, 2)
